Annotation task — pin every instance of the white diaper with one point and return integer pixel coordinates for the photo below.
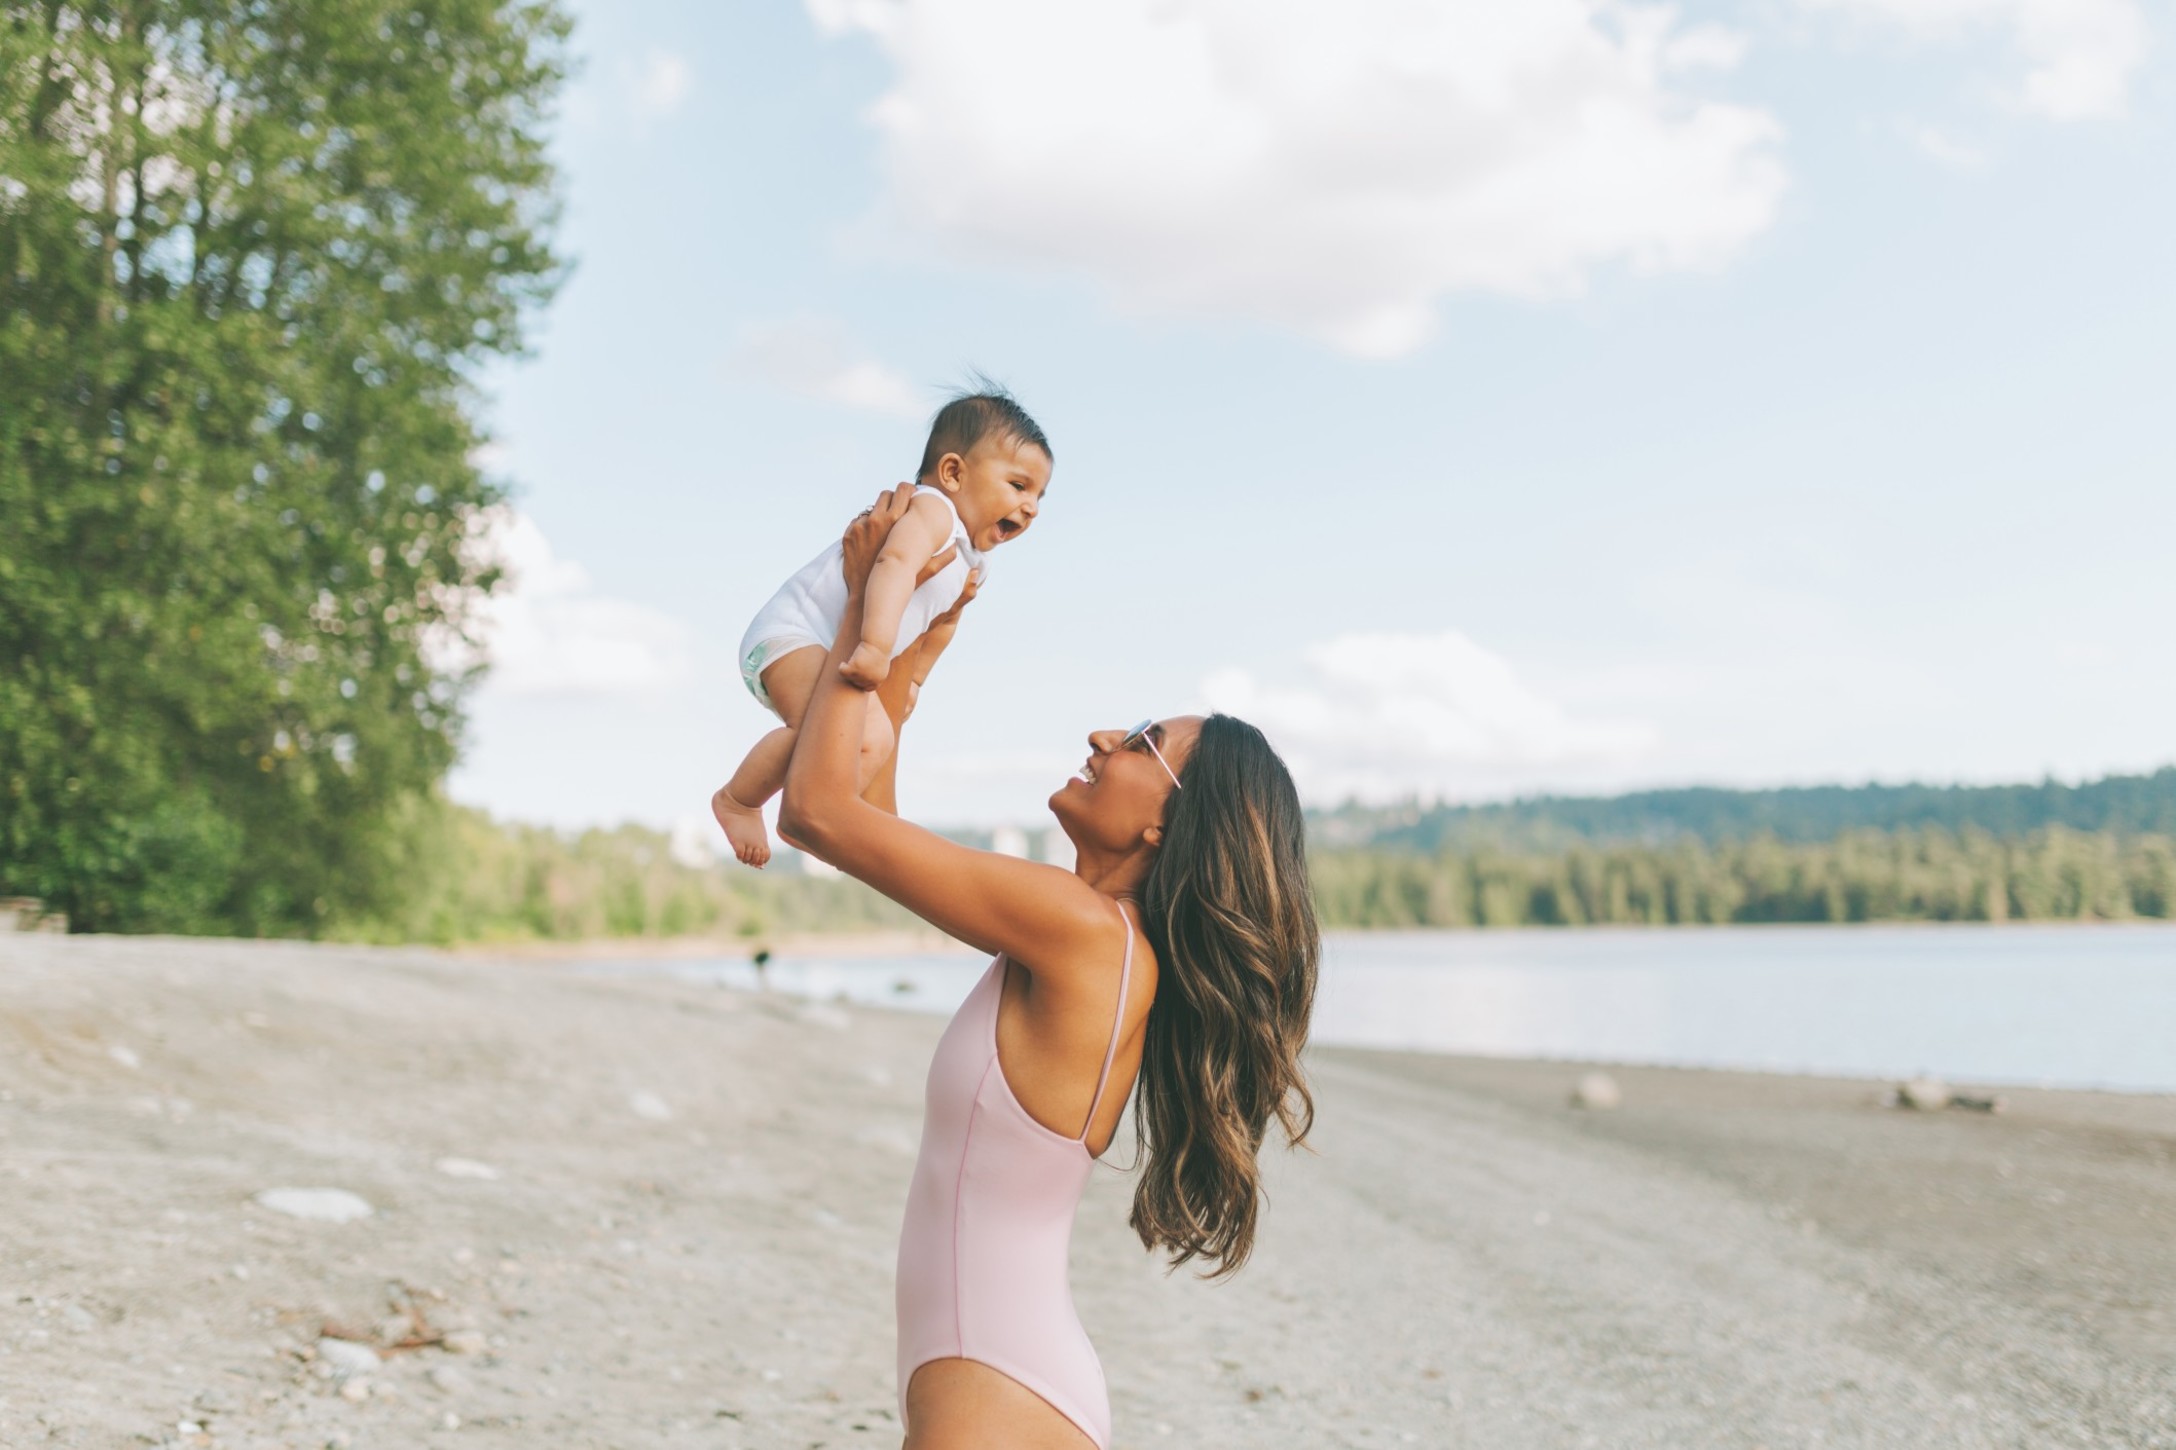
(753, 659)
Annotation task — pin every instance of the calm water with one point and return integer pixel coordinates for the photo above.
(2070, 1006)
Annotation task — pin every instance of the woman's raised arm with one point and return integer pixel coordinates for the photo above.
(1037, 914)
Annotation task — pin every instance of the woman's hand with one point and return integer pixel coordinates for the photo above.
(942, 628)
(866, 532)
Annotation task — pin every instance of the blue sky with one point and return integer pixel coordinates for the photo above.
(1485, 398)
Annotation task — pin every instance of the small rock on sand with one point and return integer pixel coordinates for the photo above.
(468, 1168)
(1597, 1090)
(650, 1106)
(1927, 1094)
(321, 1205)
(464, 1341)
(346, 1357)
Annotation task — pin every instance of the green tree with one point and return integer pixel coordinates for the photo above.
(250, 254)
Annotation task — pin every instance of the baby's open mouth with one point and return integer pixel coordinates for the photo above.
(1006, 528)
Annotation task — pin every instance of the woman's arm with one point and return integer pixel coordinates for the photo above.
(937, 638)
(1037, 914)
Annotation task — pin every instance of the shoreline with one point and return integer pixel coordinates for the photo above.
(878, 942)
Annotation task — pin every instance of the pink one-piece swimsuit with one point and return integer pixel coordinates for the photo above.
(989, 1223)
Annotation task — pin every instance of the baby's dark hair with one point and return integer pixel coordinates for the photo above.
(972, 417)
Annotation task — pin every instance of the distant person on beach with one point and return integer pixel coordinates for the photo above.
(981, 484)
(1175, 963)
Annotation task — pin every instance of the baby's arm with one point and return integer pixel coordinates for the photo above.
(912, 543)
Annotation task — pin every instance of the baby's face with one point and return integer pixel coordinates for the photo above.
(1001, 483)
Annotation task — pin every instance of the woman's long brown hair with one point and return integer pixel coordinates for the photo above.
(1228, 908)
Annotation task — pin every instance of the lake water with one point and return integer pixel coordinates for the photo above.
(2074, 1006)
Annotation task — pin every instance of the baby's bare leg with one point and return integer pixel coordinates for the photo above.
(738, 804)
(790, 680)
(884, 604)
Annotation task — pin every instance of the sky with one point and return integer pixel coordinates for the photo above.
(1484, 398)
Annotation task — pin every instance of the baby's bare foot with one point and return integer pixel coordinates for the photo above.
(866, 667)
(743, 827)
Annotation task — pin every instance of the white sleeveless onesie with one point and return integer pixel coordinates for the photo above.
(807, 608)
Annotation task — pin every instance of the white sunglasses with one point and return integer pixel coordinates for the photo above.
(1139, 735)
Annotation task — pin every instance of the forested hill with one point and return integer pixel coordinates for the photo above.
(2120, 804)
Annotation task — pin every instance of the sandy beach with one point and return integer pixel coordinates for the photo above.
(624, 1211)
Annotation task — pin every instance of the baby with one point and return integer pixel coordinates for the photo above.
(981, 484)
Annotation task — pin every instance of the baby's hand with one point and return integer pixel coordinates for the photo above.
(866, 667)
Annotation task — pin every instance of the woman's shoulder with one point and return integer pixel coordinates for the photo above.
(1091, 936)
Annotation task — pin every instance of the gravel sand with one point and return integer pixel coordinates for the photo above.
(560, 1209)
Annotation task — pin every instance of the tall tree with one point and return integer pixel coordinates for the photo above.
(251, 252)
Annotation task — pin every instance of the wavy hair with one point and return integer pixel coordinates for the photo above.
(1228, 907)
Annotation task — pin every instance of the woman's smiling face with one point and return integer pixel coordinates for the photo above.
(1120, 790)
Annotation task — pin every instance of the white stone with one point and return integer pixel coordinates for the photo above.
(355, 1391)
(320, 1205)
(467, 1168)
(1597, 1090)
(126, 1056)
(1927, 1094)
(464, 1341)
(346, 1356)
(650, 1106)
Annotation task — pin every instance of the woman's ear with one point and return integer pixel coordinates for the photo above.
(1152, 837)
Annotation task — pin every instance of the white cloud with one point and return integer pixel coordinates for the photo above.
(1944, 149)
(2080, 55)
(1333, 168)
(818, 359)
(547, 631)
(659, 84)
(1390, 715)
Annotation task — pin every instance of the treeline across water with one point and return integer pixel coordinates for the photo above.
(1927, 874)
(2122, 805)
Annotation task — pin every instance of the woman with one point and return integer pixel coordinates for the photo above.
(1175, 962)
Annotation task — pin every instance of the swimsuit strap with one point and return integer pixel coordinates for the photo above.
(1125, 973)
